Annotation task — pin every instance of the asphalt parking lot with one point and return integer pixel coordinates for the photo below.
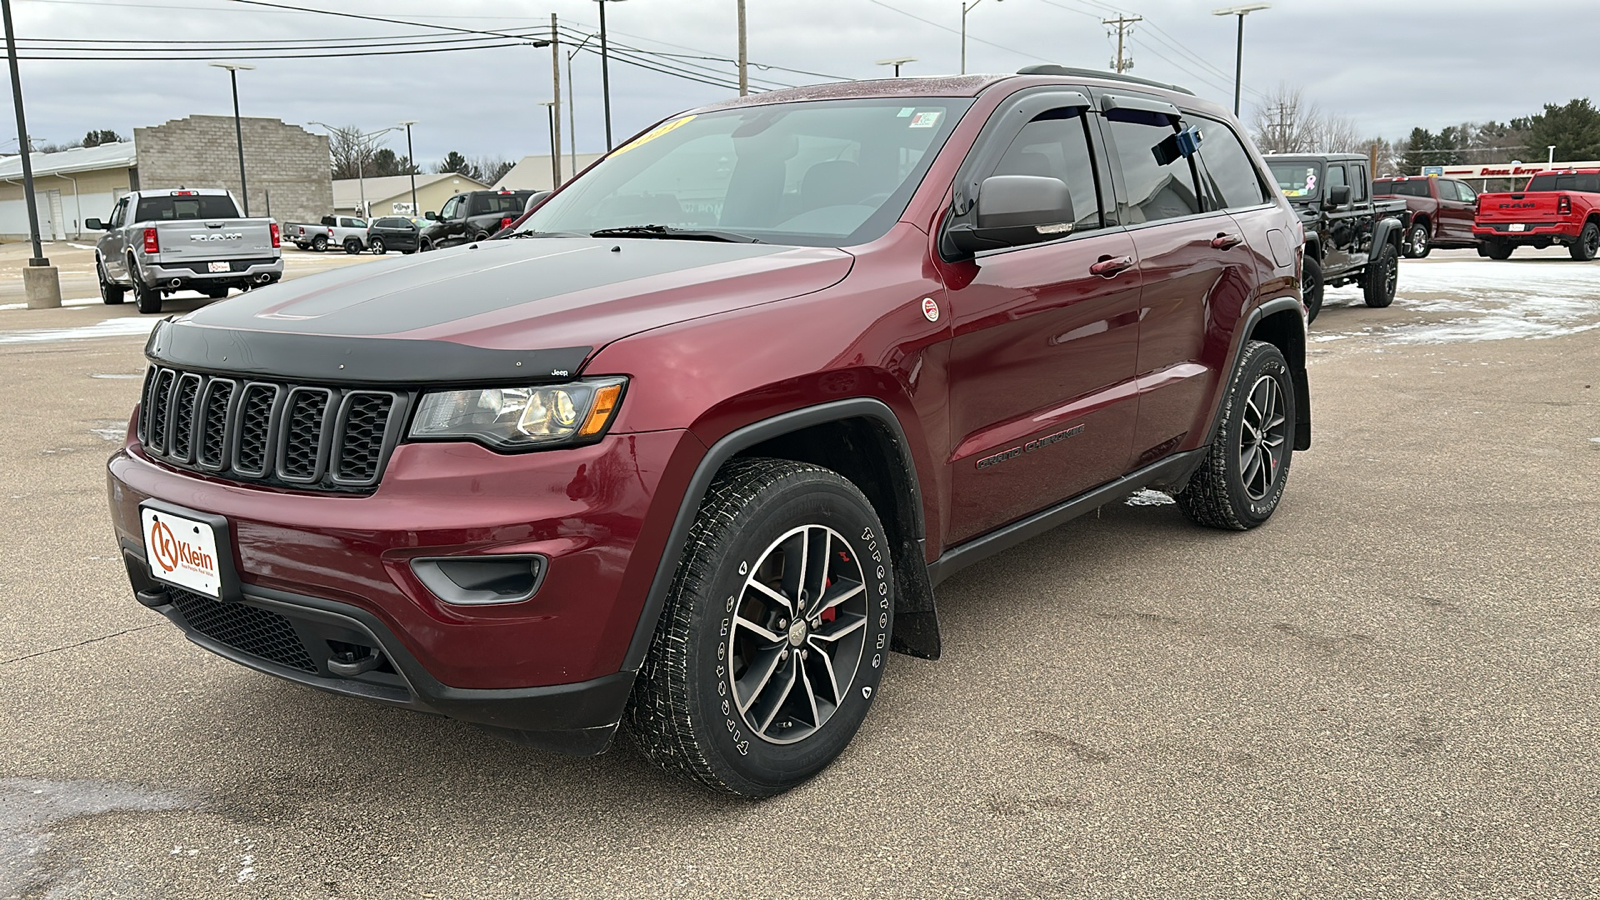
(1388, 691)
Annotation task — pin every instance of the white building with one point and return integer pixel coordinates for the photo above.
(69, 186)
(533, 172)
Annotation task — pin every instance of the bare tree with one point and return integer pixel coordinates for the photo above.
(352, 152)
(490, 169)
(1286, 122)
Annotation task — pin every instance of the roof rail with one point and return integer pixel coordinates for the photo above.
(1096, 73)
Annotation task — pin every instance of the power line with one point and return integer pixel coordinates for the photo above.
(956, 31)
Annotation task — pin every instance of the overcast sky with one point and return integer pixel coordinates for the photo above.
(1386, 64)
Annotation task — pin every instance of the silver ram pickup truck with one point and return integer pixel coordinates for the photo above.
(159, 242)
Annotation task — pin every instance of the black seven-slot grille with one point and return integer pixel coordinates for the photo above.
(293, 435)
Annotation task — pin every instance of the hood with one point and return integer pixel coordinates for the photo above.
(538, 307)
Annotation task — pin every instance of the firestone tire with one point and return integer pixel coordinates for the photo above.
(734, 695)
(1311, 287)
(1241, 481)
(1382, 276)
(110, 294)
(319, 243)
(1587, 244)
(1420, 246)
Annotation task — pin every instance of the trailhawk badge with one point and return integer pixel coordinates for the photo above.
(930, 309)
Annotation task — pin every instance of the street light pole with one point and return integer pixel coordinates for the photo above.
(965, 8)
(1238, 57)
(411, 164)
(40, 281)
(363, 147)
(744, 57)
(238, 131)
(550, 107)
(572, 116)
(897, 62)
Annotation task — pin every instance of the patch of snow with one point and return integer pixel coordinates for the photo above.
(118, 375)
(80, 246)
(1148, 497)
(76, 301)
(123, 327)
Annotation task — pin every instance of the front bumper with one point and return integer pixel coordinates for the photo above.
(327, 579)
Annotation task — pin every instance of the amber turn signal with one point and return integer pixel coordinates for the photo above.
(605, 400)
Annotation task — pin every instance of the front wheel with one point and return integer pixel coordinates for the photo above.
(1419, 241)
(378, 247)
(1382, 275)
(1587, 244)
(1311, 287)
(774, 635)
(1240, 482)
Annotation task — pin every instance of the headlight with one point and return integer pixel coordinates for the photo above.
(517, 418)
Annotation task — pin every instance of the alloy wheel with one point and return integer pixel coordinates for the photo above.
(798, 634)
(1262, 437)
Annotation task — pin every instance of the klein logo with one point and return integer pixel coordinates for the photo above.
(930, 309)
(219, 236)
(171, 551)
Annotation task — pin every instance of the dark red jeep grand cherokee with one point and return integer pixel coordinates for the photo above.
(690, 450)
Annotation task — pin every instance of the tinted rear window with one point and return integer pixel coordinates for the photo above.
(1586, 182)
(503, 203)
(162, 208)
(1409, 188)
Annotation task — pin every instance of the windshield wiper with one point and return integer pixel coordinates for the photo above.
(671, 233)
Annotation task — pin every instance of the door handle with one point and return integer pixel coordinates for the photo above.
(1109, 266)
(1226, 241)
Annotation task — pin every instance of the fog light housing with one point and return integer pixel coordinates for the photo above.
(481, 580)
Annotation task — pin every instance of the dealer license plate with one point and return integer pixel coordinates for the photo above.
(220, 267)
(1520, 226)
(181, 551)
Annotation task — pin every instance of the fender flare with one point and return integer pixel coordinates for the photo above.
(1386, 230)
(916, 629)
(1302, 385)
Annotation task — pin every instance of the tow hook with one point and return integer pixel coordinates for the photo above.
(347, 665)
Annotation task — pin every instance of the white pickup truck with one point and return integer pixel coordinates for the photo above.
(349, 232)
(159, 242)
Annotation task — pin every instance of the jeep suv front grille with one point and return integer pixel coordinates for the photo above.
(314, 437)
(248, 629)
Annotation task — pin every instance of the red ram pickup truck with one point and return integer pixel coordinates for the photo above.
(1442, 211)
(1555, 208)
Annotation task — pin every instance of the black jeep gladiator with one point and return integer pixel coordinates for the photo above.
(1350, 237)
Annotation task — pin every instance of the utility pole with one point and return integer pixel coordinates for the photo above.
(40, 280)
(1124, 24)
(744, 58)
(555, 108)
(411, 165)
(605, 69)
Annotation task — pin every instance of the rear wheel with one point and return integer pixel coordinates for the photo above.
(1418, 239)
(352, 246)
(319, 243)
(148, 298)
(1242, 478)
(774, 635)
(1311, 287)
(110, 294)
(1587, 244)
(1497, 250)
(377, 246)
(1382, 275)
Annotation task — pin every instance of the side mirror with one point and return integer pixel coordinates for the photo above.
(94, 225)
(431, 216)
(1338, 196)
(1014, 210)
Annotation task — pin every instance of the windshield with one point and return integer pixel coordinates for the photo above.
(195, 207)
(829, 173)
(1295, 179)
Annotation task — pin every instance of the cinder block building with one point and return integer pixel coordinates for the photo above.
(287, 167)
